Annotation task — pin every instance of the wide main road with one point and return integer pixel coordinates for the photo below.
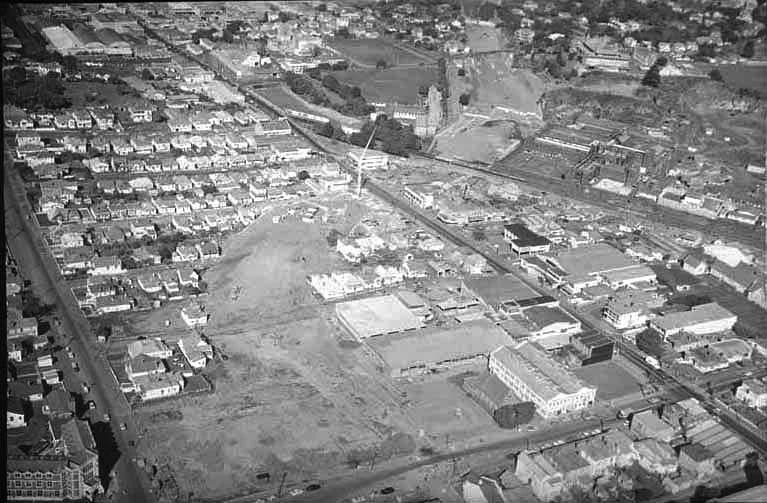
(40, 268)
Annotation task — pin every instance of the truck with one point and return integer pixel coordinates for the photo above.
(652, 361)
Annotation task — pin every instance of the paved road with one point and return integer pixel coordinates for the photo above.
(40, 268)
(339, 490)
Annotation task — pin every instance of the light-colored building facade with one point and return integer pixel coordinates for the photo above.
(533, 376)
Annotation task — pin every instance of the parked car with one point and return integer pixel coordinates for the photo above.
(313, 487)
(387, 490)
(123, 427)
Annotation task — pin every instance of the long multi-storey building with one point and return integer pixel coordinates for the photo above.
(533, 376)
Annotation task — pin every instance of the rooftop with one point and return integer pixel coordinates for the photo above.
(542, 374)
(469, 339)
(495, 290)
(703, 313)
(589, 260)
(543, 316)
(376, 315)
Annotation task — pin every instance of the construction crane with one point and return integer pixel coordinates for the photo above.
(359, 164)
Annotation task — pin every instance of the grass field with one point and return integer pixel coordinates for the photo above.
(367, 52)
(611, 380)
(392, 85)
(744, 76)
(93, 93)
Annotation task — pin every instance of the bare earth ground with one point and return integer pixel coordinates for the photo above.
(484, 38)
(289, 398)
(476, 140)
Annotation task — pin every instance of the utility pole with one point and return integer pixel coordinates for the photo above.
(282, 484)
(359, 164)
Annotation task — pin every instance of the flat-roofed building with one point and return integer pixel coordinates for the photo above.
(523, 241)
(630, 276)
(533, 376)
(550, 326)
(578, 268)
(700, 320)
(435, 349)
(628, 308)
(495, 291)
(374, 316)
(368, 161)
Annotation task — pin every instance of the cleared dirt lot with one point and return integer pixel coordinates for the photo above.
(289, 397)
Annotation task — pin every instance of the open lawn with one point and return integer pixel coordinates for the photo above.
(753, 78)
(93, 94)
(367, 52)
(611, 380)
(392, 85)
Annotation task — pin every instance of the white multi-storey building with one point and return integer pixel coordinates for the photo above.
(533, 376)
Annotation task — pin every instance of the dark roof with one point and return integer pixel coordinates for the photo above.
(59, 400)
(697, 452)
(534, 301)
(493, 388)
(45, 464)
(525, 237)
(593, 339)
(544, 316)
(742, 274)
(15, 405)
(496, 290)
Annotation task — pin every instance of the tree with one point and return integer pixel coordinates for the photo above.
(381, 64)
(343, 33)
(423, 90)
(511, 416)
(461, 72)
(464, 99)
(303, 175)
(486, 11)
(715, 74)
(322, 7)
(340, 66)
(652, 77)
(146, 74)
(748, 50)
(69, 63)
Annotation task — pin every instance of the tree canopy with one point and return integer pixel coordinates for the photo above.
(514, 415)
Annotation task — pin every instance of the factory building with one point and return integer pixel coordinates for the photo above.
(533, 376)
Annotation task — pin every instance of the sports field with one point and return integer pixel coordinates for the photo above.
(367, 52)
(392, 85)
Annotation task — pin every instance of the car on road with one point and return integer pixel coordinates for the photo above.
(387, 490)
(313, 487)
(531, 427)
(86, 388)
(107, 418)
(296, 491)
(91, 404)
(123, 427)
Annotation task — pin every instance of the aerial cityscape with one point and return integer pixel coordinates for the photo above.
(411, 251)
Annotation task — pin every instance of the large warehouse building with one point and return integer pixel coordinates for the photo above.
(376, 316)
(578, 268)
(700, 320)
(431, 350)
(533, 376)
